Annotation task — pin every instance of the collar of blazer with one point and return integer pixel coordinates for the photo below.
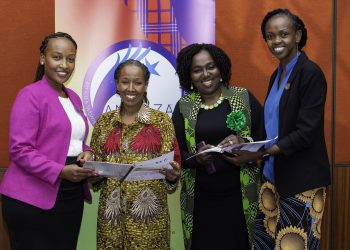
(302, 59)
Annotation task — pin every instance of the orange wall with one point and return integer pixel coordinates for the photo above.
(23, 26)
(25, 23)
(342, 138)
(238, 33)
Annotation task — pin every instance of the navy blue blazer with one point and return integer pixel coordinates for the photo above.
(303, 163)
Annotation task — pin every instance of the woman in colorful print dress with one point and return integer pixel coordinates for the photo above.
(218, 198)
(134, 214)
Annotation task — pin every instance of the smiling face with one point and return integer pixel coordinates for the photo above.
(282, 38)
(58, 60)
(131, 85)
(205, 74)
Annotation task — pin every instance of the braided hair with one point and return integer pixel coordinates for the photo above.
(184, 63)
(40, 71)
(296, 21)
(146, 72)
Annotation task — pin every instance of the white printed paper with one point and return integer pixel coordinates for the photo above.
(145, 170)
(249, 146)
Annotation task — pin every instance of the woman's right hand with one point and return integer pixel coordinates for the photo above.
(230, 140)
(205, 158)
(74, 173)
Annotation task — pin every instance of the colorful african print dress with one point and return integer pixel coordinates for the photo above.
(133, 214)
(218, 210)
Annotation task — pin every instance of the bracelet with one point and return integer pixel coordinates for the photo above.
(99, 180)
(264, 154)
(169, 185)
(93, 155)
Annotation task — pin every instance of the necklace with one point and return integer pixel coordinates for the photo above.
(217, 103)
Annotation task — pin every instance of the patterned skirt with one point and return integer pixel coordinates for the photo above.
(289, 222)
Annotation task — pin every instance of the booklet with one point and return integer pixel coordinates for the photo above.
(249, 146)
(145, 170)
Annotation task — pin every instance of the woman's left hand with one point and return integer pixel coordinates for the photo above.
(230, 140)
(172, 175)
(85, 156)
(241, 157)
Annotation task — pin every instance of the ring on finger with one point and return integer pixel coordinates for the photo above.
(176, 165)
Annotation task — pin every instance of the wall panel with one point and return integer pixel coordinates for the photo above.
(342, 127)
(23, 26)
(341, 230)
(4, 241)
(239, 34)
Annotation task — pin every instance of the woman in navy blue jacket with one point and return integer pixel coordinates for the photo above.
(296, 167)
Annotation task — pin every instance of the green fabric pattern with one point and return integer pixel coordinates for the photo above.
(249, 175)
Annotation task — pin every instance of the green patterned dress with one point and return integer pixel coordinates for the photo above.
(219, 208)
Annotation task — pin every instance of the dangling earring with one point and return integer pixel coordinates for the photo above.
(297, 47)
(220, 79)
(191, 86)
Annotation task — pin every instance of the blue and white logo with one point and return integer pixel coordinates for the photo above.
(99, 88)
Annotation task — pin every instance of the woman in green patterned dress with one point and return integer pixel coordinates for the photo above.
(218, 199)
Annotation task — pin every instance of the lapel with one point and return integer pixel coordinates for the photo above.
(78, 106)
(291, 83)
(74, 100)
(53, 98)
(272, 79)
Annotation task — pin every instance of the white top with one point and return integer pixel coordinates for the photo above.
(78, 127)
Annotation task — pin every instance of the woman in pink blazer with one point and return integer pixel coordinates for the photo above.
(44, 188)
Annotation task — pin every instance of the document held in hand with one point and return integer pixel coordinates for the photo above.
(144, 170)
(249, 146)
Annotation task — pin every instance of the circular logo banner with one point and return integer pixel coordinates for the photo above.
(99, 88)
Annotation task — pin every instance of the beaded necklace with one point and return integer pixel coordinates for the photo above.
(217, 103)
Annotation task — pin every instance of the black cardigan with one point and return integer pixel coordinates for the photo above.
(303, 163)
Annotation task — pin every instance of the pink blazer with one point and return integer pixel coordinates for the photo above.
(40, 133)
